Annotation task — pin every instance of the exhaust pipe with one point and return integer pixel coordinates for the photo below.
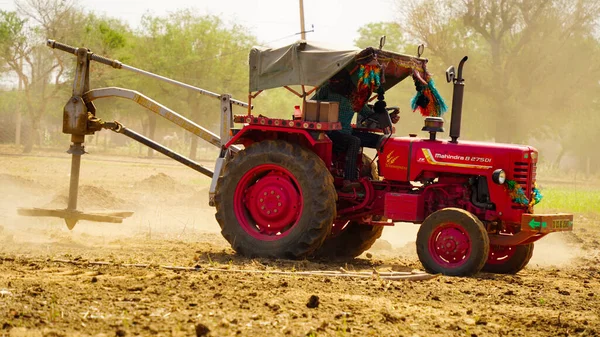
(457, 99)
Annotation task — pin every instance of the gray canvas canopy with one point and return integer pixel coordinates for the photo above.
(304, 63)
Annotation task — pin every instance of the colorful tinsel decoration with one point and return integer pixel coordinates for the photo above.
(516, 193)
(369, 77)
(536, 196)
(428, 100)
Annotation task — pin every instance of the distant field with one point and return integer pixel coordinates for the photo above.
(569, 198)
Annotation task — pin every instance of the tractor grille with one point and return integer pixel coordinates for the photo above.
(521, 173)
(524, 175)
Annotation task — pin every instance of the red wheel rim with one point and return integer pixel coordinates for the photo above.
(450, 245)
(500, 254)
(268, 202)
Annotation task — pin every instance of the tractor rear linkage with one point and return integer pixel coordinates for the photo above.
(79, 120)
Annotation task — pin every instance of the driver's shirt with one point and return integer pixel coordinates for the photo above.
(346, 113)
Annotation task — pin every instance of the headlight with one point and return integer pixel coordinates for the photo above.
(499, 176)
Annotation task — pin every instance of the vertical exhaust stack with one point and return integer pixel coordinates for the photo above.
(457, 98)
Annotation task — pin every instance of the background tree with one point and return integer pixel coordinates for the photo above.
(533, 65)
(513, 46)
(198, 50)
(370, 34)
(23, 50)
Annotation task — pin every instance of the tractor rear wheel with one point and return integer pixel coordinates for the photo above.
(353, 240)
(356, 238)
(453, 242)
(508, 259)
(275, 199)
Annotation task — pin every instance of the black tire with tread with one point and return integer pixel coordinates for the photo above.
(319, 204)
(356, 238)
(515, 263)
(480, 242)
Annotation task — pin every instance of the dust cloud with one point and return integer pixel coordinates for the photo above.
(168, 204)
(557, 250)
(400, 234)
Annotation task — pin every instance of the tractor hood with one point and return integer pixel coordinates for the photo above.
(407, 158)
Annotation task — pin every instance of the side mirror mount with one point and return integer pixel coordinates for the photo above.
(381, 42)
(420, 50)
(450, 74)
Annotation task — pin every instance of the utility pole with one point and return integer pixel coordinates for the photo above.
(302, 30)
(19, 109)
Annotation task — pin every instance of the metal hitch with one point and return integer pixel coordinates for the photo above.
(78, 120)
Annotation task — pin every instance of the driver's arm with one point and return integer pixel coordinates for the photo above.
(365, 112)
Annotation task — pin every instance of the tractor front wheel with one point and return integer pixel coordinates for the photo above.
(508, 259)
(275, 199)
(453, 242)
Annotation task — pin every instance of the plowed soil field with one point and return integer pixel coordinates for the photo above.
(52, 284)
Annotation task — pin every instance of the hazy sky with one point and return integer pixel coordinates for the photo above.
(272, 21)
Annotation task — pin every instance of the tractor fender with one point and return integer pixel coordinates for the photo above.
(316, 141)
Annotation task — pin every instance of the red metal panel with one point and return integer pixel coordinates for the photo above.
(288, 124)
(322, 146)
(465, 157)
(264, 128)
(394, 161)
(404, 207)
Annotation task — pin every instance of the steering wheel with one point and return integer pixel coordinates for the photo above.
(380, 120)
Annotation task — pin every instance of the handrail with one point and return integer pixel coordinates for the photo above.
(155, 107)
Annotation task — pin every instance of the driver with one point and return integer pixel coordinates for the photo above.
(338, 89)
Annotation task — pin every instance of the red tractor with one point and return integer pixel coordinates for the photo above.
(277, 182)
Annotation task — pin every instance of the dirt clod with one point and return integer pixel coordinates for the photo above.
(160, 182)
(201, 330)
(382, 245)
(481, 321)
(390, 318)
(313, 302)
(91, 198)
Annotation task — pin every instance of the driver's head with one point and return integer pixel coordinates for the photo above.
(341, 83)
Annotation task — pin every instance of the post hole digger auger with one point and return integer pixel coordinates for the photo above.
(277, 184)
(79, 120)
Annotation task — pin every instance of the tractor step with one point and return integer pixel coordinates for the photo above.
(72, 216)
